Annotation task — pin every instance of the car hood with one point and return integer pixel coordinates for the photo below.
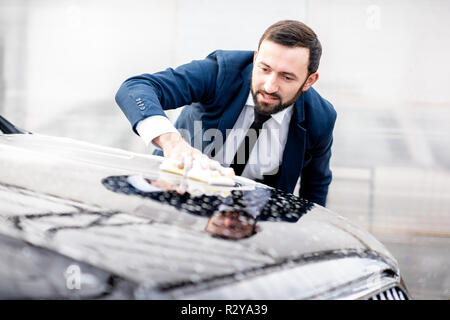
(53, 197)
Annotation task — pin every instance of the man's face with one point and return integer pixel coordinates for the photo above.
(280, 75)
(231, 225)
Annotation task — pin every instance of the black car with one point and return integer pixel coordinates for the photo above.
(79, 220)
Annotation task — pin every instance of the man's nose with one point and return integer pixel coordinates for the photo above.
(271, 85)
(228, 222)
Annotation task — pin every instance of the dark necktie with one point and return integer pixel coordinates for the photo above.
(248, 143)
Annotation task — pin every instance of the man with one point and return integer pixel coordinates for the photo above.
(231, 93)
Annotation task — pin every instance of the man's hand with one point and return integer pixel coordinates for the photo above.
(178, 149)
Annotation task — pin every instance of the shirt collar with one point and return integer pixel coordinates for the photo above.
(278, 117)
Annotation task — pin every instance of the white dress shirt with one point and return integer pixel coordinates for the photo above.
(267, 154)
(153, 127)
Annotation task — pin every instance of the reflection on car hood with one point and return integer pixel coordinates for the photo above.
(53, 195)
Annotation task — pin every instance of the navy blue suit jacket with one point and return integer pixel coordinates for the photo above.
(214, 91)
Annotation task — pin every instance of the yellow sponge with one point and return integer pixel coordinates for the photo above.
(213, 177)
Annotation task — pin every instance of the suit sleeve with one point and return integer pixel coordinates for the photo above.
(316, 175)
(148, 95)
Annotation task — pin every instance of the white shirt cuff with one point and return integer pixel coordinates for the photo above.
(153, 127)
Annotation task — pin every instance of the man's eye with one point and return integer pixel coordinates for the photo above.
(288, 78)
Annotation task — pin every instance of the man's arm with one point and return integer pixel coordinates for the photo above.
(150, 94)
(316, 175)
(144, 98)
(152, 127)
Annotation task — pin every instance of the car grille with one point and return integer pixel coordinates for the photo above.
(394, 293)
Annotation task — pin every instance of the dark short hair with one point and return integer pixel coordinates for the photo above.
(291, 33)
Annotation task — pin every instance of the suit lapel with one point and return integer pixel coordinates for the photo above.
(294, 151)
(233, 110)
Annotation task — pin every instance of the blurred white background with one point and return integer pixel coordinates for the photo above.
(384, 67)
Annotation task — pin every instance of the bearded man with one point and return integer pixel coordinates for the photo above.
(253, 111)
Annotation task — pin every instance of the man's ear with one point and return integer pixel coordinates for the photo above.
(254, 56)
(313, 77)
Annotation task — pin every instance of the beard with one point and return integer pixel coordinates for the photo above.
(267, 108)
